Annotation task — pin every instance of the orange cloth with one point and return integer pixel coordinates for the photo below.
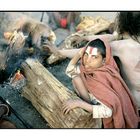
(106, 84)
(63, 22)
(18, 76)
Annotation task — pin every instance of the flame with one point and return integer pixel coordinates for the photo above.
(7, 35)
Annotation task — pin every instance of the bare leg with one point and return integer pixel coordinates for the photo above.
(73, 19)
(57, 17)
(80, 88)
(53, 22)
(70, 20)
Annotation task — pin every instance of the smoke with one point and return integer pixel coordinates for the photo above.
(7, 19)
(12, 56)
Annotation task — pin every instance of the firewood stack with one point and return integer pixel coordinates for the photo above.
(47, 95)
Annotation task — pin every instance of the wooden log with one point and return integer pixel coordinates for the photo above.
(47, 95)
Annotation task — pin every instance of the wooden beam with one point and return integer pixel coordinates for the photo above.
(47, 95)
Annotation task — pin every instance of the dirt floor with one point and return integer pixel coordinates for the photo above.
(22, 106)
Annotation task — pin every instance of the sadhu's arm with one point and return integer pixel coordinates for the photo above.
(107, 37)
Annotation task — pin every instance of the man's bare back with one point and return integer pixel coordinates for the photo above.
(128, 50)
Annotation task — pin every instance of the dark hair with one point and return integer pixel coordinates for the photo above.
(100, 45)
(129, 22)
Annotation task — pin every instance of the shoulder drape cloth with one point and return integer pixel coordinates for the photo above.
(106, 84)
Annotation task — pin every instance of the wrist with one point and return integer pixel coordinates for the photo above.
(81, 103)
(86, 106)
(77, 103)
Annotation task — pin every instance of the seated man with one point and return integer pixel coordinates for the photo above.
(66, 20)
(98, 81)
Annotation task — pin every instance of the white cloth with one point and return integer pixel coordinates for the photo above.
(72, 71)
(101, 110)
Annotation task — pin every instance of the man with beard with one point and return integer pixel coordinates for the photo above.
(66, 20)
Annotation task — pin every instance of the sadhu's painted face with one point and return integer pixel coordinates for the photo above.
(92, 58)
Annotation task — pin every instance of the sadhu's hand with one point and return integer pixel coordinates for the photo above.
(69, 105)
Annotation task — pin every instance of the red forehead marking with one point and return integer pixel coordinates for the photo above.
(91, 49)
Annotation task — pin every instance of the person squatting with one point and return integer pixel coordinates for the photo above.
(98, 82)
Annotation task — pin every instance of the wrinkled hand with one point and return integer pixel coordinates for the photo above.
(49, 47)
(69, 105)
